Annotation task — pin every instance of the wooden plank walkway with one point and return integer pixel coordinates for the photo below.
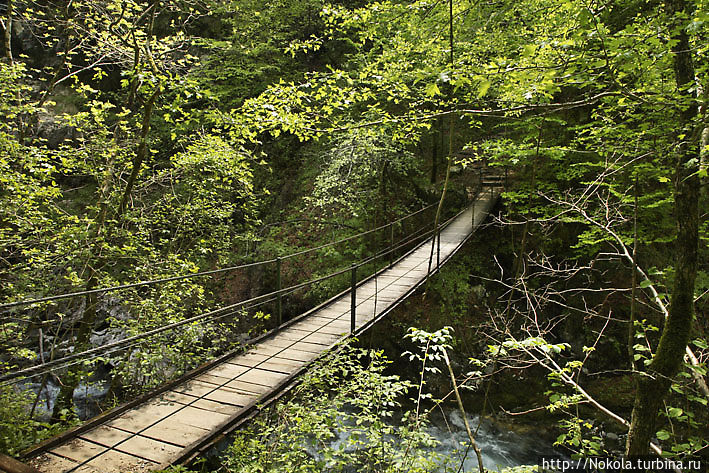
(167, 428)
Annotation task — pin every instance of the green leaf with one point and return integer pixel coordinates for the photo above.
(484, 86)
(432, 90)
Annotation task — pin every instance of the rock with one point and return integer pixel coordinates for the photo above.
(55, 132)
(106, 336)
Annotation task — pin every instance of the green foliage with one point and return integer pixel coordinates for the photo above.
(357, 168)
(19, 430)
(454, 289)
(521, 469)
(176, 469)
(346, 392)
(431, 346)
(255, 45)
(106, 204)
(166, 165)
(580, 436)
(209, 207)
(641, 349)
(531, 343)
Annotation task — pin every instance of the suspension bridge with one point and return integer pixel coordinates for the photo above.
(182, 419)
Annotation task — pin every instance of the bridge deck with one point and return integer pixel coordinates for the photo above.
(166, 428)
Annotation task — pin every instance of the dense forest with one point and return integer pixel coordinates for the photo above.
(142, 140)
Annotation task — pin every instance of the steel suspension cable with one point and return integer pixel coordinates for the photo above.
(238, 305)
(10, 305)
(114, 349)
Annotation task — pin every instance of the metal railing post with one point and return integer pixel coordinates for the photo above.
(391, 244)
(353, 298)
(279, 297)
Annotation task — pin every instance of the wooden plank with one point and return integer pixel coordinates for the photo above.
(248, 387)
(293, 329)
(307, 347)
(253, 362)
(368, 306)
(405, 267)
(393, 290)
(309, 326)
(198, 418)
(79, 450)
(148, 449)
(297, 355)
(388, 296)
(148, 413)
(332, 312)
(324, 338)
(227, 370)
(325, 320)
(200, 388)
(294, 335)
(228, 396)
(282, 364)
(248, 359)
(339, 331)
(50, 463)
(340, 306)
(229, 407)
(105, 435)
(281, 342)
(211, 379)
(389, 278)
(337, 327)
(263, 377)
(267, 350)
(112, 460)
(407, 276)
(197, 387)
(178, 432)
(10, 465)
(179, 398)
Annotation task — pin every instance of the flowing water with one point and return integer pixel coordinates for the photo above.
(501, 447)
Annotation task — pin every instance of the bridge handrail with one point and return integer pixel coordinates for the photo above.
(10, 305)
(222, 311)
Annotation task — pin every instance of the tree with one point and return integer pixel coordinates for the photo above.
(653, 386)
(98, 202)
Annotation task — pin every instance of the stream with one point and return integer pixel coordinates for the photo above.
(501, 447)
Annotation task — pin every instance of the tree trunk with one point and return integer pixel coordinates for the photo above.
(653, 386)
(142, 152)
(73, 376)
(88, 319)
(7, 32)
(436, 138)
